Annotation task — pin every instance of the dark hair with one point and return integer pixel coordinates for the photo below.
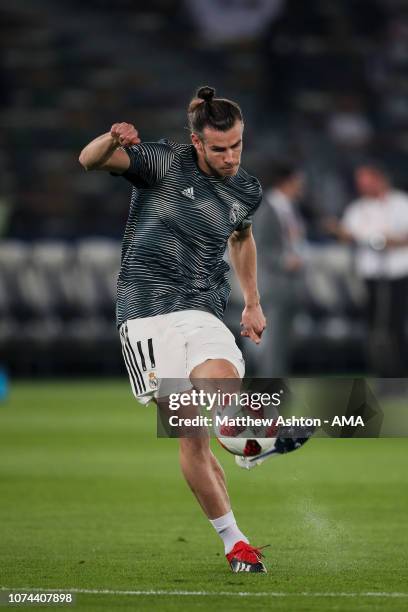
(282, 171)
(374, 165)
(207, 110)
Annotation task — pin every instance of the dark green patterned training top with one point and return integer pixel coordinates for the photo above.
(177, 231)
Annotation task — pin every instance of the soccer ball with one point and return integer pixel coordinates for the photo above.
(253, 440)
(247, 447)
(245, 440)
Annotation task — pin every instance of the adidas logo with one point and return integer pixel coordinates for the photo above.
(240, 566)
(189, 193)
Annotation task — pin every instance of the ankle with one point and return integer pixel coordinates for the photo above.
(228, 530)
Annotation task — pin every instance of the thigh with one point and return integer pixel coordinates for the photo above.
(207, 337)
(155, 354)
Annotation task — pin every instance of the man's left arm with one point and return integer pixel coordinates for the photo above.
(242, 251)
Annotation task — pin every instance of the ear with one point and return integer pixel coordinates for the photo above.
(196, 142)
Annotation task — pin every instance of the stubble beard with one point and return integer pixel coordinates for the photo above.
(216, 172)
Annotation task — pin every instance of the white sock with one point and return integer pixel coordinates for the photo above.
(227, 528)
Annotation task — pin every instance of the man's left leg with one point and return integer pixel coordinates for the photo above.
(206, 477)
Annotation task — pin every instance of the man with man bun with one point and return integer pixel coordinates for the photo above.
(189, 201)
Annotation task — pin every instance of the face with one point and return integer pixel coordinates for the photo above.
(296, 186)
(219, 153)
(370, 182)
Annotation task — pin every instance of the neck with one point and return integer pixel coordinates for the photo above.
(382, 193)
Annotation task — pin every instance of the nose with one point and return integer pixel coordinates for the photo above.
(229, 157)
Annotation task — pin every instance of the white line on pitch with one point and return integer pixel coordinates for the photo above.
(211, 593)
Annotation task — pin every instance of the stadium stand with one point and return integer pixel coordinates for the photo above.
(324, 84)
(57, 303)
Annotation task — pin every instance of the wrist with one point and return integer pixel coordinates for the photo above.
(114, 144)
(252, 302)
(113, 141)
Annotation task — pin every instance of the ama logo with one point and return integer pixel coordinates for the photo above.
(352, 421)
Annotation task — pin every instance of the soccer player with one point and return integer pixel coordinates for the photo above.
(188, 203)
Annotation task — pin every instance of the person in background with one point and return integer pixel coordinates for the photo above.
(281, 236)
(377, 224)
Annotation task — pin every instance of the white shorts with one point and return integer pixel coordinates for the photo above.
(170, 346)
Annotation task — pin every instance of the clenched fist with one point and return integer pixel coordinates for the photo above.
(125, 134)
(253, 323)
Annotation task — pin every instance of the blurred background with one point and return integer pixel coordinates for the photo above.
(324, 90)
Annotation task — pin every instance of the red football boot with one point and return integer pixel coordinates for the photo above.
(245, 558)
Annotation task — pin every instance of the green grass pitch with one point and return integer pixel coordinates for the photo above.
(91, 499)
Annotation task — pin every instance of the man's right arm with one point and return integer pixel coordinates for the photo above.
(104, 152)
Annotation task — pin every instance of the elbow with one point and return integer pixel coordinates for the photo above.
(235, 239)
(233, 244)
(238, 240)
(235, 247)
(232, 241)
(82, 161)
(85, 163)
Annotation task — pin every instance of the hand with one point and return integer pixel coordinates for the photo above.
(335, 228)
(392, 243)
(253, 323)
(330, 225)
(125, 134)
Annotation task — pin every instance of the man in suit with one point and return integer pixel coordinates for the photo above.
(280, 234)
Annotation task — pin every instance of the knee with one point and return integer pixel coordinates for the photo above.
(215, 368)
(225, 369)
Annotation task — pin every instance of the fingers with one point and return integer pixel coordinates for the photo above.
(251, 334)
(253, 325)
(129, 137)
(254, 336)
(125, 134)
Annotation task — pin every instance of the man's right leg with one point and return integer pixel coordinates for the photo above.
(204, 476)
(206, 479)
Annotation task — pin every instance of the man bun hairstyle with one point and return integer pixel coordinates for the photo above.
(206, 93)
(205, 110)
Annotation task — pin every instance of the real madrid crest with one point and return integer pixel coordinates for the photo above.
(152, 380)
(234, 212)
